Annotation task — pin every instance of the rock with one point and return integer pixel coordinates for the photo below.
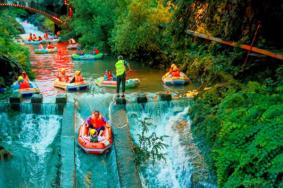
(4, 155)
(9, 71)
(15, 98)
(165, 96)
(61, 99)
(121, 101)
(177, 110)
(192, 93)
(142, 98)
(36, 98)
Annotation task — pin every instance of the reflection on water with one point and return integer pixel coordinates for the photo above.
(46, 66)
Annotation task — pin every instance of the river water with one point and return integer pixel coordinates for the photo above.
(34, 138)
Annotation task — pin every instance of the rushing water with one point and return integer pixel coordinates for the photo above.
(33, 141)
(182, 158)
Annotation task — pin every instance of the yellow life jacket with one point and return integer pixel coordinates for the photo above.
(120, 68)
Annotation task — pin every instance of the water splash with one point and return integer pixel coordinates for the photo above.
(32, 139)
(170, 119)
(29, 28)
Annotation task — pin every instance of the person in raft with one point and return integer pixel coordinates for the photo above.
(23, 84)
(57, 34)
(62, 77)
(25, 76)
(174, 71)
(45, 36)
(34, 37)
(96, 51)
(97, 122)
(50, 46)
(78, 78)
(72, 41)
(109, 76)
(40, 46)
(30, 37)
(121, 67)
(80, 52)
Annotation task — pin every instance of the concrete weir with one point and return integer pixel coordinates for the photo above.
(15, 101)
(36, 101)
(127, 171)
(68, 147)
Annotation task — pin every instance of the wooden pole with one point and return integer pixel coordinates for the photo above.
(234, 44)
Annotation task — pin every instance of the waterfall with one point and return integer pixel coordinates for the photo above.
(32, 140)
(180, 167)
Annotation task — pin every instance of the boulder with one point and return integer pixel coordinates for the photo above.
(9, 71)
(4, 155)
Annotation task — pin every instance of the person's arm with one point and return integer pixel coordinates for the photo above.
(105, 121)
(127, 65)
(88, 122)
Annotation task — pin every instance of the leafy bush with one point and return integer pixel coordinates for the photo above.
(244, 131)
(149, 146)
(8, 31)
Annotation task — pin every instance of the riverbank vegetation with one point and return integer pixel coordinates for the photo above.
(239, 119)
(18, 54)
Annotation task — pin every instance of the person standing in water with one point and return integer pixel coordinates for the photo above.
(121, 67)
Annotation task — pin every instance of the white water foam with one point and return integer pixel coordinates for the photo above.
(177, 169)
(39, 132)
(29, 28)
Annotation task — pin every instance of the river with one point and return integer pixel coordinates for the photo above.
(34, 138)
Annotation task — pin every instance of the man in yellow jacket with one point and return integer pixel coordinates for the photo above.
(121, 67)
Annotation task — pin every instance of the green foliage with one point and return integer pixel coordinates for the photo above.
(9, 30)
(93, 21)
(139, 29)
(149, 146)
(128, 27)
(244, 131)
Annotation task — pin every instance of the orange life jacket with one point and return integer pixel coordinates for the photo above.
(45, 36)
(109, 76)
(79, 78)
(96, 51)
(175, 73)
(24, 85)
(63, 78)
(97, 122)
(50, 46)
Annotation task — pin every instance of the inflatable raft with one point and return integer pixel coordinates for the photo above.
(45, 50)
(26, 92)
(71, 86)
(102, 145)
(181, 80)
(32, 42)
(130, 83)
(87, 56)
(72, 46)
(50, 40)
